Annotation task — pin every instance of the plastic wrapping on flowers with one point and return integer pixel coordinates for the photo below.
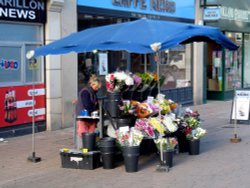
(196, 134)
(144, 126)
(117, 81)
(191, 125)
(132, 137)
(168, 144)
(170, 124)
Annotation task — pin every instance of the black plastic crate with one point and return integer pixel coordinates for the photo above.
(78, 160)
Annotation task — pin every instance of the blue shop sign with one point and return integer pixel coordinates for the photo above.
(171, 8)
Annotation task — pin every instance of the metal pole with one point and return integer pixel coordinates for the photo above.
(158, 71)
(33, 157)
(145, 63)
(101, 118)
(74, 120)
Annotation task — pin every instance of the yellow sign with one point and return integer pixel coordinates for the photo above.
(33, 65)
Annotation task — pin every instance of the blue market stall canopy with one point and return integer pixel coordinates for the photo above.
(135, 36)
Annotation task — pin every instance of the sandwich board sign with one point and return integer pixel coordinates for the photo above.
(240, 106)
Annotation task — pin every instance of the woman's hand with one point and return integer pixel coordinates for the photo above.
(74, 101)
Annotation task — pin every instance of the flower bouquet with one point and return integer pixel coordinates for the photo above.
(190, 124)
(147, 78)
(170, 123)
(168, 144)
(133, 137)
(157, 125)
(127, 108)
(196, 134)
(144, 126)
(117, 81)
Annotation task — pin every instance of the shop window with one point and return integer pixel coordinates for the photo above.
(15, 41)
(175, 67)
(10, 64)
(246, 61)
(224, 66)
(233, 63)
(20, 32)
(33, 70)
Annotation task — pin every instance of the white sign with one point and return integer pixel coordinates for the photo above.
(211, 14)
(241, 105)
(103, 63)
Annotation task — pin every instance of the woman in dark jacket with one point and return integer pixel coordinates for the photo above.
(87, 100)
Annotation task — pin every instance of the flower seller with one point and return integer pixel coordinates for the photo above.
(87, 101)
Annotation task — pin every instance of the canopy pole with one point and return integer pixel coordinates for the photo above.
(145, 62)
(158, 72)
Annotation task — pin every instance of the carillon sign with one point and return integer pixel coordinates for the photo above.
(23, 10)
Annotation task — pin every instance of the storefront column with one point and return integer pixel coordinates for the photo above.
(61, 71)
(198, 67)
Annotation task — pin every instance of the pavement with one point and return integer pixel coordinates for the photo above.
(220, 164)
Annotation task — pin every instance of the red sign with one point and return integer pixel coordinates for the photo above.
(16, 104)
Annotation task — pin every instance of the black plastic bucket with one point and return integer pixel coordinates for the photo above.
(89, 141)
(107, 148)
(194, 147)
(127, 121)
(131, 158)
(113, 102)
(167, 158)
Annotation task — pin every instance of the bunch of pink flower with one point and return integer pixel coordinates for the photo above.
(144, 126)
(110, 84)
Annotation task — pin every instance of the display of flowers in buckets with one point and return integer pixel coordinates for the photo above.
(191, 126)
(130, 140)
(166, 147)
(116, 83)
(128, 114)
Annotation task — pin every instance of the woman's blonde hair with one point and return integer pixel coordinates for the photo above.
(94, 80)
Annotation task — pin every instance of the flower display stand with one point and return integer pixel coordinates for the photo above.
(194, 147)
(131, 158)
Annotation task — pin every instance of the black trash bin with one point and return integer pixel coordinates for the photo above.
(89, 141)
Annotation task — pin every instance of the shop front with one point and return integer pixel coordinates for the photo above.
(175, 64)
(227, 70)
(21, 30)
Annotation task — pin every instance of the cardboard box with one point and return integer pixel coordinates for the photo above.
(78, 160)
(213, 85)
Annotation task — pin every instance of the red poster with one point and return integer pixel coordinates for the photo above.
(16, 104)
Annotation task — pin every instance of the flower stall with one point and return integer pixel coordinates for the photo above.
(154, 125)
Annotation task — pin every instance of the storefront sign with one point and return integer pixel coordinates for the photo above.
(211, 14)
(230, 13)
(16, 104)
(23, 10)
(157, 5)
(171, 8)
(241, 105)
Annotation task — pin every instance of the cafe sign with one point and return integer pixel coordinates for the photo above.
(23, 10)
